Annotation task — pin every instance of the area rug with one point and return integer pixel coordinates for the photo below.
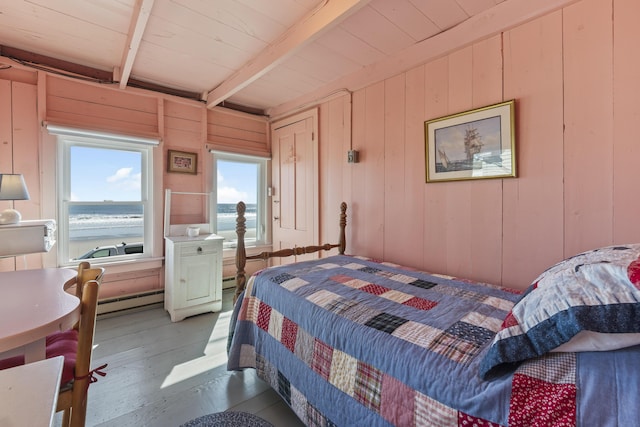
(228, 419)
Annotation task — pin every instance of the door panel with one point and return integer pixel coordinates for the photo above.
(295, 194)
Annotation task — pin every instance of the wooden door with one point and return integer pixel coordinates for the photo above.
(295, 184)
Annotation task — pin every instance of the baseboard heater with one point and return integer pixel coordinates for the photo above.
(228, 282)
(127, 302)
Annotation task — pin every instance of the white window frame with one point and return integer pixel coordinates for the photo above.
(105, 141)
(262, 224)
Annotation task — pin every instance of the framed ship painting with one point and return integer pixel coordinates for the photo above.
(475, 144)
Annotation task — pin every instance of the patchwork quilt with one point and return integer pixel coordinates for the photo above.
(349, 341)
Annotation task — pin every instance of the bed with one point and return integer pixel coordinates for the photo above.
(349, 341)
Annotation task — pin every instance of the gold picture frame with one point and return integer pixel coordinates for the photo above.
(475, 144)
(182, 162)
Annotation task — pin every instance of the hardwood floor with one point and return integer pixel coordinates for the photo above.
(161, 373)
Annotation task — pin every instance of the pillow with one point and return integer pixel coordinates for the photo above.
(589, 302)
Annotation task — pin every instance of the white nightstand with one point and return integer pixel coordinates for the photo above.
(193, 275)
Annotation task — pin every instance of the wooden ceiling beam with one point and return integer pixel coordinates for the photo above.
(139, 19)
(500, 18)
(73, 70)
(330, 14)
(48, 63)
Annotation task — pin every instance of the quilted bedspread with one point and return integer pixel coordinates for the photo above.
(349, 341)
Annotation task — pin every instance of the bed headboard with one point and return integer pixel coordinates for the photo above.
(241, 253)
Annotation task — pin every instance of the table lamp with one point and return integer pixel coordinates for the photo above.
(12, 187)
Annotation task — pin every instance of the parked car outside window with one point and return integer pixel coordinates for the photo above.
(113, 250)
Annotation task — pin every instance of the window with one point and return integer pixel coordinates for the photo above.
(240, 178)
(105, 189)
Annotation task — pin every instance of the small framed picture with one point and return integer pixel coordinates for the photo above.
(182, 162)
(475, 144)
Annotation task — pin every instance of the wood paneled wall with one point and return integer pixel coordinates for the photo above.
(534, 202)
(183, 131)
(19, 154)
(28, 98)
(573, 74)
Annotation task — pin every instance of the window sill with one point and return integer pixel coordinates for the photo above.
(125, 265)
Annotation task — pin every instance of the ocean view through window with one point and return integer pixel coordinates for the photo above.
(100, 221)
(240, 178)
(227, 220)
(105, 205)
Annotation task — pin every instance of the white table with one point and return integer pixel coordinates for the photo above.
(29, 393)
(33, 304)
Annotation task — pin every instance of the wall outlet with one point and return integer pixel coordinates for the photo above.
(352, 156)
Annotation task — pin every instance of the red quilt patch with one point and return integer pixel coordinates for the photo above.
(633, 271)
(289, 334)
(264, 315)
(466, 420)
(374, 289)
(538, 403)
(509, 321)
(420, 303)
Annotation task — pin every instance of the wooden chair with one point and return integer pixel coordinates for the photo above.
(85, 273)
(76, 345)
(73, 395)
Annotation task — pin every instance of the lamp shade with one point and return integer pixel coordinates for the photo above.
(12, 187)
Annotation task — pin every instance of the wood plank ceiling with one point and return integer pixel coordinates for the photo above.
(264, 55)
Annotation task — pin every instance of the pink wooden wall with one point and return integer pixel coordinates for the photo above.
(28, 98)
(574, 75)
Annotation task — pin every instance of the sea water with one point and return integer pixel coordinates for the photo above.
(125, 222)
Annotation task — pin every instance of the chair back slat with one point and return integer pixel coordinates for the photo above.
(87, 326)
(74, 401)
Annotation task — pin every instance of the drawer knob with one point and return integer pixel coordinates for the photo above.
(199, 249)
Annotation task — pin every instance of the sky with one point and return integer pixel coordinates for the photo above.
(102, 174)
(237, 181)
(99, 174)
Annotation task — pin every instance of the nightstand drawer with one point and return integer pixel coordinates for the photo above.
(198, 248)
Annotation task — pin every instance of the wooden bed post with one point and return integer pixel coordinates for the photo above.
(241, 256)
(343, 224)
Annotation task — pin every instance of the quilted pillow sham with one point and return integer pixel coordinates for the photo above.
(589, 302)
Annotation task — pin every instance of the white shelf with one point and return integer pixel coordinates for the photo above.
(27, 237)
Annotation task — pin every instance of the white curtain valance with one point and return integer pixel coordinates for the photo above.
(240, 156)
